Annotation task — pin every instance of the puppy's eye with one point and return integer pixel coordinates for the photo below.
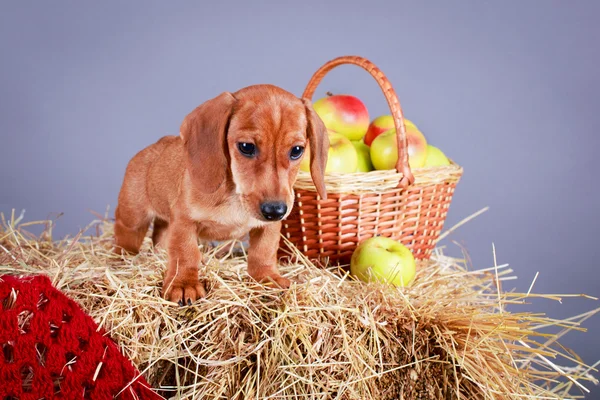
(296, 152)
(247, 149)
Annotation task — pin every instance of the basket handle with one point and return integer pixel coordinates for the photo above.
(402, 165)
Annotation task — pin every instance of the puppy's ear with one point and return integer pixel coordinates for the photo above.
(204, 135)
(318, 140)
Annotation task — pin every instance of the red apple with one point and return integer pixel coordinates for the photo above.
(384, 149)
(381, 124)
(344, 114)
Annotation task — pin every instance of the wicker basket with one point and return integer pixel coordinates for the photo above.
(409, 206)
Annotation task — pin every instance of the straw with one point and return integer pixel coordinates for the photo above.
(450, 334)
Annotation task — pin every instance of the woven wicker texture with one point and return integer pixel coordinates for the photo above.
(409, 206)
(51, 349)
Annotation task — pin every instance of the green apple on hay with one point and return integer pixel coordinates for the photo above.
(382, 259)
(384, 149)
(341, 155)
(382, 124)
(344, 114)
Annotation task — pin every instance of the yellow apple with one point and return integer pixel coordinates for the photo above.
(382, 259)
(341, 155)
(364, 156)
(435, 157)
(384, 149)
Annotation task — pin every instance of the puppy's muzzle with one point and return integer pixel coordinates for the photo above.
(273, 210)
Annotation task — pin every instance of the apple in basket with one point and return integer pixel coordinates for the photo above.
(384, 149)
(341, 155)
(382, 259)
(344, 114)
(382, 124)
(435, 157)
(364, 156)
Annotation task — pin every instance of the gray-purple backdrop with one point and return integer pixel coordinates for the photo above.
(509, 89)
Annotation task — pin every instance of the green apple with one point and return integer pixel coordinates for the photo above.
(435, 157)
(364, 156)
(341, 155)
(382, 259)
(384, 149)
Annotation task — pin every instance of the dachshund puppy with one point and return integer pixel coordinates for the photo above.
(230, 172)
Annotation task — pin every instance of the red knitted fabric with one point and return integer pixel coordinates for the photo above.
(51, 349)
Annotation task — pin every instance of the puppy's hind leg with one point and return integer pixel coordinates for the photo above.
(159, 232)
(133, 213)
(131, 226)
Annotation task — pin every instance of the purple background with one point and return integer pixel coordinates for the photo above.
(510, 90)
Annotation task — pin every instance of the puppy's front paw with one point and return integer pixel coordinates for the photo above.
(122, 252)
(276, 281)
(183, 291)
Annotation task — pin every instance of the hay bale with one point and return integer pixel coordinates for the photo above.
(447, 336)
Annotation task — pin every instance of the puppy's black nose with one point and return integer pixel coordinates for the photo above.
(273, 210)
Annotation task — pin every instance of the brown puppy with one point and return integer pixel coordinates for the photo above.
(230, 172)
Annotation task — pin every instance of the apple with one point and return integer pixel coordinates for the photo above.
(382, 259)
(384, 149)
(381, 124)
(344, 114)
(341, 155)
(364, 156)
(435, 157)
